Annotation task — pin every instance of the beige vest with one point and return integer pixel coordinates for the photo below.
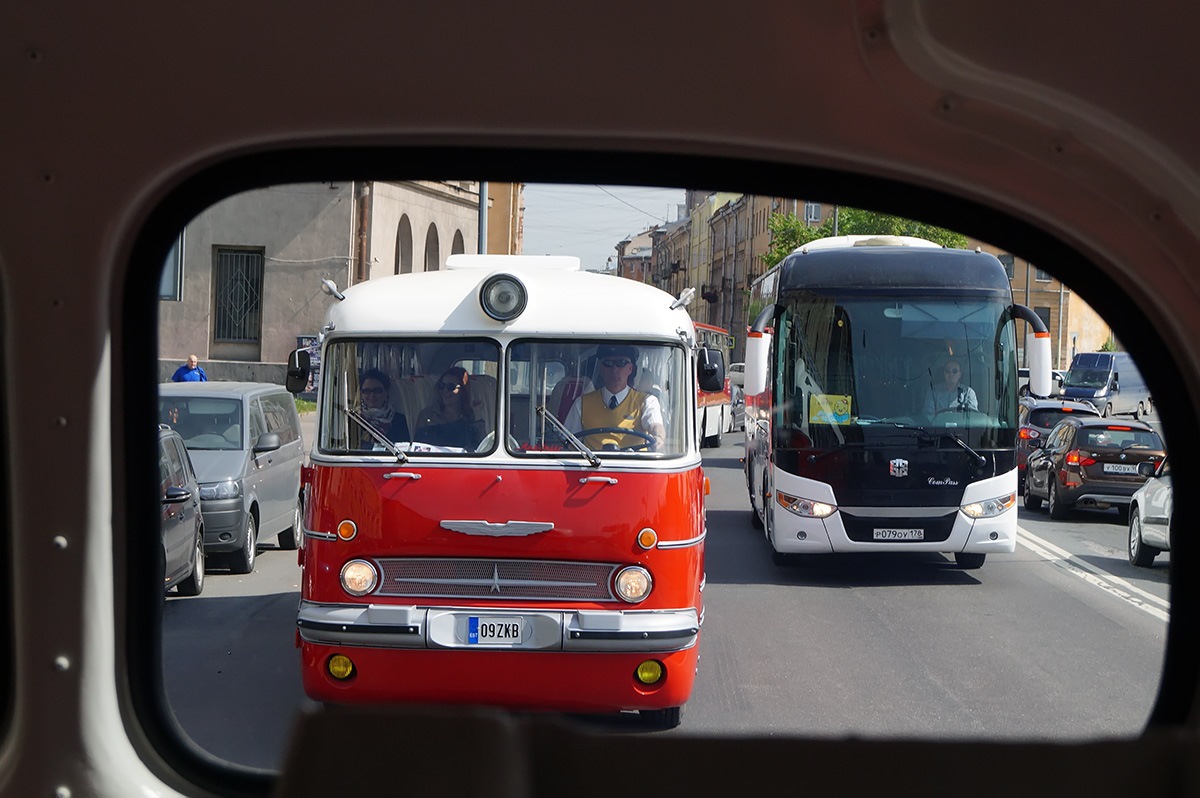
(626, 415)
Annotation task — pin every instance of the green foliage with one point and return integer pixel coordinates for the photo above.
(1110, 345)
(788, 232)
(304, 406)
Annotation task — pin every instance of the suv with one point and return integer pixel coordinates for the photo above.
(181, 523)
(1035, 418)
(244, 439)
(1090, 461)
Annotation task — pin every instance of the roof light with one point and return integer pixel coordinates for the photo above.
(503, 297)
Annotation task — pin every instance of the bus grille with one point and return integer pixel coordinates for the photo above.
(544, 580)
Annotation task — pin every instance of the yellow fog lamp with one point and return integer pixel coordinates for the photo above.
(503, 297)
(340, 667)
(633, 584)
(359, 577)
(347, 530)
(650, 672)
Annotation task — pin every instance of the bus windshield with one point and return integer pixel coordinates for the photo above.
(579, 381)
(853, 368)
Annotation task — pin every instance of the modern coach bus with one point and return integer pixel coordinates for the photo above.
(715, 408)
(881, 382)
(519, 494)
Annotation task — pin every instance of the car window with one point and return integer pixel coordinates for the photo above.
(176, 475)
(257, 427)
(279, 412)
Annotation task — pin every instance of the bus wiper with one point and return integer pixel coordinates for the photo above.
(982, 460)
(570, 436)
(379, 437)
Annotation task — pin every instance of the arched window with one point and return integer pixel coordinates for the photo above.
(404, 246)
(457, 248)
(433, 252)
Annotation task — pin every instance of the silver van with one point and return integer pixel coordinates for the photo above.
(1110, 381)
(245, 444)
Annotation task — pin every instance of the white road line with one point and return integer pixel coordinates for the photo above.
(1109, 583)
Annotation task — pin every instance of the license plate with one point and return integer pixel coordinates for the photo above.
(493, 630)
(899, 534)
(1119, 468)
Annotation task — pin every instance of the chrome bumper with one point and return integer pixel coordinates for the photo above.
(412, 627)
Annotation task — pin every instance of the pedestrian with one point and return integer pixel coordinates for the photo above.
(190, 371)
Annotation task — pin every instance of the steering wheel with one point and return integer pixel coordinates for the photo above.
(637, 447)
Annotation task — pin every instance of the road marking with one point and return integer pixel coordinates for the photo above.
(1109, 583)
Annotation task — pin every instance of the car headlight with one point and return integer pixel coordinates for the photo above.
(805, 507)
(633, 584)
(229, 489)
(991, 507)
(359, 577)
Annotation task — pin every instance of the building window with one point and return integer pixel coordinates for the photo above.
(237, 304)
(1008, 262)
(812, 212)
(1043, 314)
(171, 285)
(1043, 276)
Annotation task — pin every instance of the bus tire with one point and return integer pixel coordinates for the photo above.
(668, 718)
(969, 561)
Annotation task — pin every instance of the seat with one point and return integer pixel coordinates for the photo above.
(565, 392)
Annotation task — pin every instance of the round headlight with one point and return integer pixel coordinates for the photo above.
(359, 577)
(633, 583)
(503, 297)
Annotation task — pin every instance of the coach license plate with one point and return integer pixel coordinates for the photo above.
(494, 630)
(899, 534)
(1119, 468)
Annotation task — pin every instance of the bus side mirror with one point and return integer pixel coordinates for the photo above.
(297, 371)
(758, 349)
(711, 369)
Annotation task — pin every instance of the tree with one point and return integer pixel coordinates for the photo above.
(788, 232)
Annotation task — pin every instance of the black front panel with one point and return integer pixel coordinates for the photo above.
(861, 529)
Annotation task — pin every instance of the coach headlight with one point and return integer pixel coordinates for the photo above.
(503, 297)
(990, 508)
(633, 584)
(359, 577)
(804, 507)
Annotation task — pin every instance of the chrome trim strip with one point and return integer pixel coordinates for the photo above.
(312, 533)
(402, 475)
(541, 462)
(683, 544)
(499, 530)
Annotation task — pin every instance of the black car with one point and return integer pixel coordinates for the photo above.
(1036, 417)
(182, 523)
(1091, 462)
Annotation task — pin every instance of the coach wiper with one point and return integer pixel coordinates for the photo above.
(570, 436)
(932, 436)
(379, 437)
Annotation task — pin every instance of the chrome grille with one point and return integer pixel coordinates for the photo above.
(506, 579)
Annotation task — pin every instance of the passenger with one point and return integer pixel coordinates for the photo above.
(951, 395)
(375, 390)
(451, 421)
(615, 406)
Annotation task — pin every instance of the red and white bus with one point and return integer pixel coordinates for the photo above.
(558, 565)
(715, 407)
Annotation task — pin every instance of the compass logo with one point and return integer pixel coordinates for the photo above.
(898, 467)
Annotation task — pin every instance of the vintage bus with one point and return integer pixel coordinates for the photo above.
(881, 382)
(716, 408)
(505, 502)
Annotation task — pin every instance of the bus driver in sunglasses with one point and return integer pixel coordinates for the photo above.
(951, 394)
(615, 406)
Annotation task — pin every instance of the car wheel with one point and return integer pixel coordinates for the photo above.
(289, 537)
(668, 718)
(1031, 502)
(1107, 412)
(243, 558)
(1054, 503)
(193, 585)
(969, 560)
(1139, 411)
(1140, 554)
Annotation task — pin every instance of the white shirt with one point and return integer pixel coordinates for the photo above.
(651, 411)
(942, 399)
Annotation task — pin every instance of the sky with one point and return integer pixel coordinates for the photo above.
(588, 221)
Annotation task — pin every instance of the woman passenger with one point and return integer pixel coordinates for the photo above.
(450, 421)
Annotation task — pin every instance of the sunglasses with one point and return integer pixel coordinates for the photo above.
(618, 363)
(372, 390)
(951, 371)
(449, 386)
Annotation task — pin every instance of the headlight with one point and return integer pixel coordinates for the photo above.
(805, 507)
(502, 297)
(230, 489)
(633, 584)
(990, 508)
(359, 577)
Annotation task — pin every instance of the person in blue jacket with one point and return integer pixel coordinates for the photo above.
(190, 371)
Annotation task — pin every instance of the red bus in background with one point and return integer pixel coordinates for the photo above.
(714, 409)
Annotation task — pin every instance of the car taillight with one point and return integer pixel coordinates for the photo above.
(1073, 458)
(1027, 434)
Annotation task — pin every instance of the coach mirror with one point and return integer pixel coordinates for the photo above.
(297, 371)
(712, 370)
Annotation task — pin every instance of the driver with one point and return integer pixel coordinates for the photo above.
(616, 406)
(951, 394)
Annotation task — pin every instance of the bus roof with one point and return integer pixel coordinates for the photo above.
(833, 242)
(886, 268)
(561, 300)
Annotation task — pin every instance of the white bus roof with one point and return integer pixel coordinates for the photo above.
(562, 300)
(836, 242)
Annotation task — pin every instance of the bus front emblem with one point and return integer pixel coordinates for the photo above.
(898, 467)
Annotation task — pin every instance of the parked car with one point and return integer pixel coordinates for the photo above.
(1089, 461)
(1036, 417)
(1150, 514)
(244, 440)
(182, 522)
(1056, 383)
(737, 374)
